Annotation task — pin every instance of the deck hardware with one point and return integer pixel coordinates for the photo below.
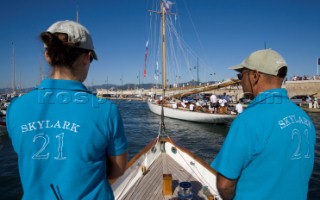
(174, 150)
(185, 191)
(167, 185)
(144, 170)
(154, 150)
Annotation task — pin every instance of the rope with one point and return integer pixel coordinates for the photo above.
(54, 192)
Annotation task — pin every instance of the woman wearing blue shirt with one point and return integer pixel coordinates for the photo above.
(71, 142)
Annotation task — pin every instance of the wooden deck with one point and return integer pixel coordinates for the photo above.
(150, 185)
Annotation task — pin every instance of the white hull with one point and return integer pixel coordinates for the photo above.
(188, 162)
(193, 116)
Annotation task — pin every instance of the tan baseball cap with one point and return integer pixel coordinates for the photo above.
(266, 61)
(77, 34)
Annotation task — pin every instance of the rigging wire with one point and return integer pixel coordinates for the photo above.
(173, 56)
(181, 57)
(184, 57)
(182, 47)
(155, 40)
(197, 33)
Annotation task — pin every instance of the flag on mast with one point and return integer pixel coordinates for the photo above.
(145, 60)
(167, 5)
(156, 72)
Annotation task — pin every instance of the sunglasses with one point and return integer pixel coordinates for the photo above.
(240, 75)
(91, 57)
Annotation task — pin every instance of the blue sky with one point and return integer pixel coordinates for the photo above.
(220, 32)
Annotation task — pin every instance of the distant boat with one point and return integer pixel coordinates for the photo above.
(163, 170)
(3, 107)
(193, 116)
(3, 112)
(202, 115)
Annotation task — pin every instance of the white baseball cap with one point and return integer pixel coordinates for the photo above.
(77, 34)
(266, 61)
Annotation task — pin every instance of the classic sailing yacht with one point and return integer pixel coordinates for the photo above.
(203, 115)
(179, 55)
(162, 170)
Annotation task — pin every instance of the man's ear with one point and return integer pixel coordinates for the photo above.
(256, 77)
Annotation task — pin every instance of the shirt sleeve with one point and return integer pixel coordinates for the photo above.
(118, 142)
(236, 151)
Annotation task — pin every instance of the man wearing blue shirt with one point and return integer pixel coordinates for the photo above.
(269, 150)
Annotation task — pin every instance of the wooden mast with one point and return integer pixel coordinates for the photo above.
(163, 14)
(163, 35)
(14, 70)
(77, 14)
(164, 67)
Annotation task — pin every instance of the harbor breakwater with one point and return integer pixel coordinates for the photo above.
(305, 87)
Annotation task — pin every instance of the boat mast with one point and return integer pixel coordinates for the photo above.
(163, 35)
(14, 70)
(163, 14)
(77, 15)
(164, 67)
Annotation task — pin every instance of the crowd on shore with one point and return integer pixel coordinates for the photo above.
(215, 104)
(310, 102)
(305, 77)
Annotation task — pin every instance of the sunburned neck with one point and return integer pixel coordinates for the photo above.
(268, 84)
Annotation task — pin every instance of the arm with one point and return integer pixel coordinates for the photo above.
(117, 150)
(226, 187)
(116, 165)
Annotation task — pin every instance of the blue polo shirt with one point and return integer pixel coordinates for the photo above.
(269, 149)
(62, 134)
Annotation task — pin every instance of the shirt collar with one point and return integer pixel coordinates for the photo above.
(62, 85)
(269, 97)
